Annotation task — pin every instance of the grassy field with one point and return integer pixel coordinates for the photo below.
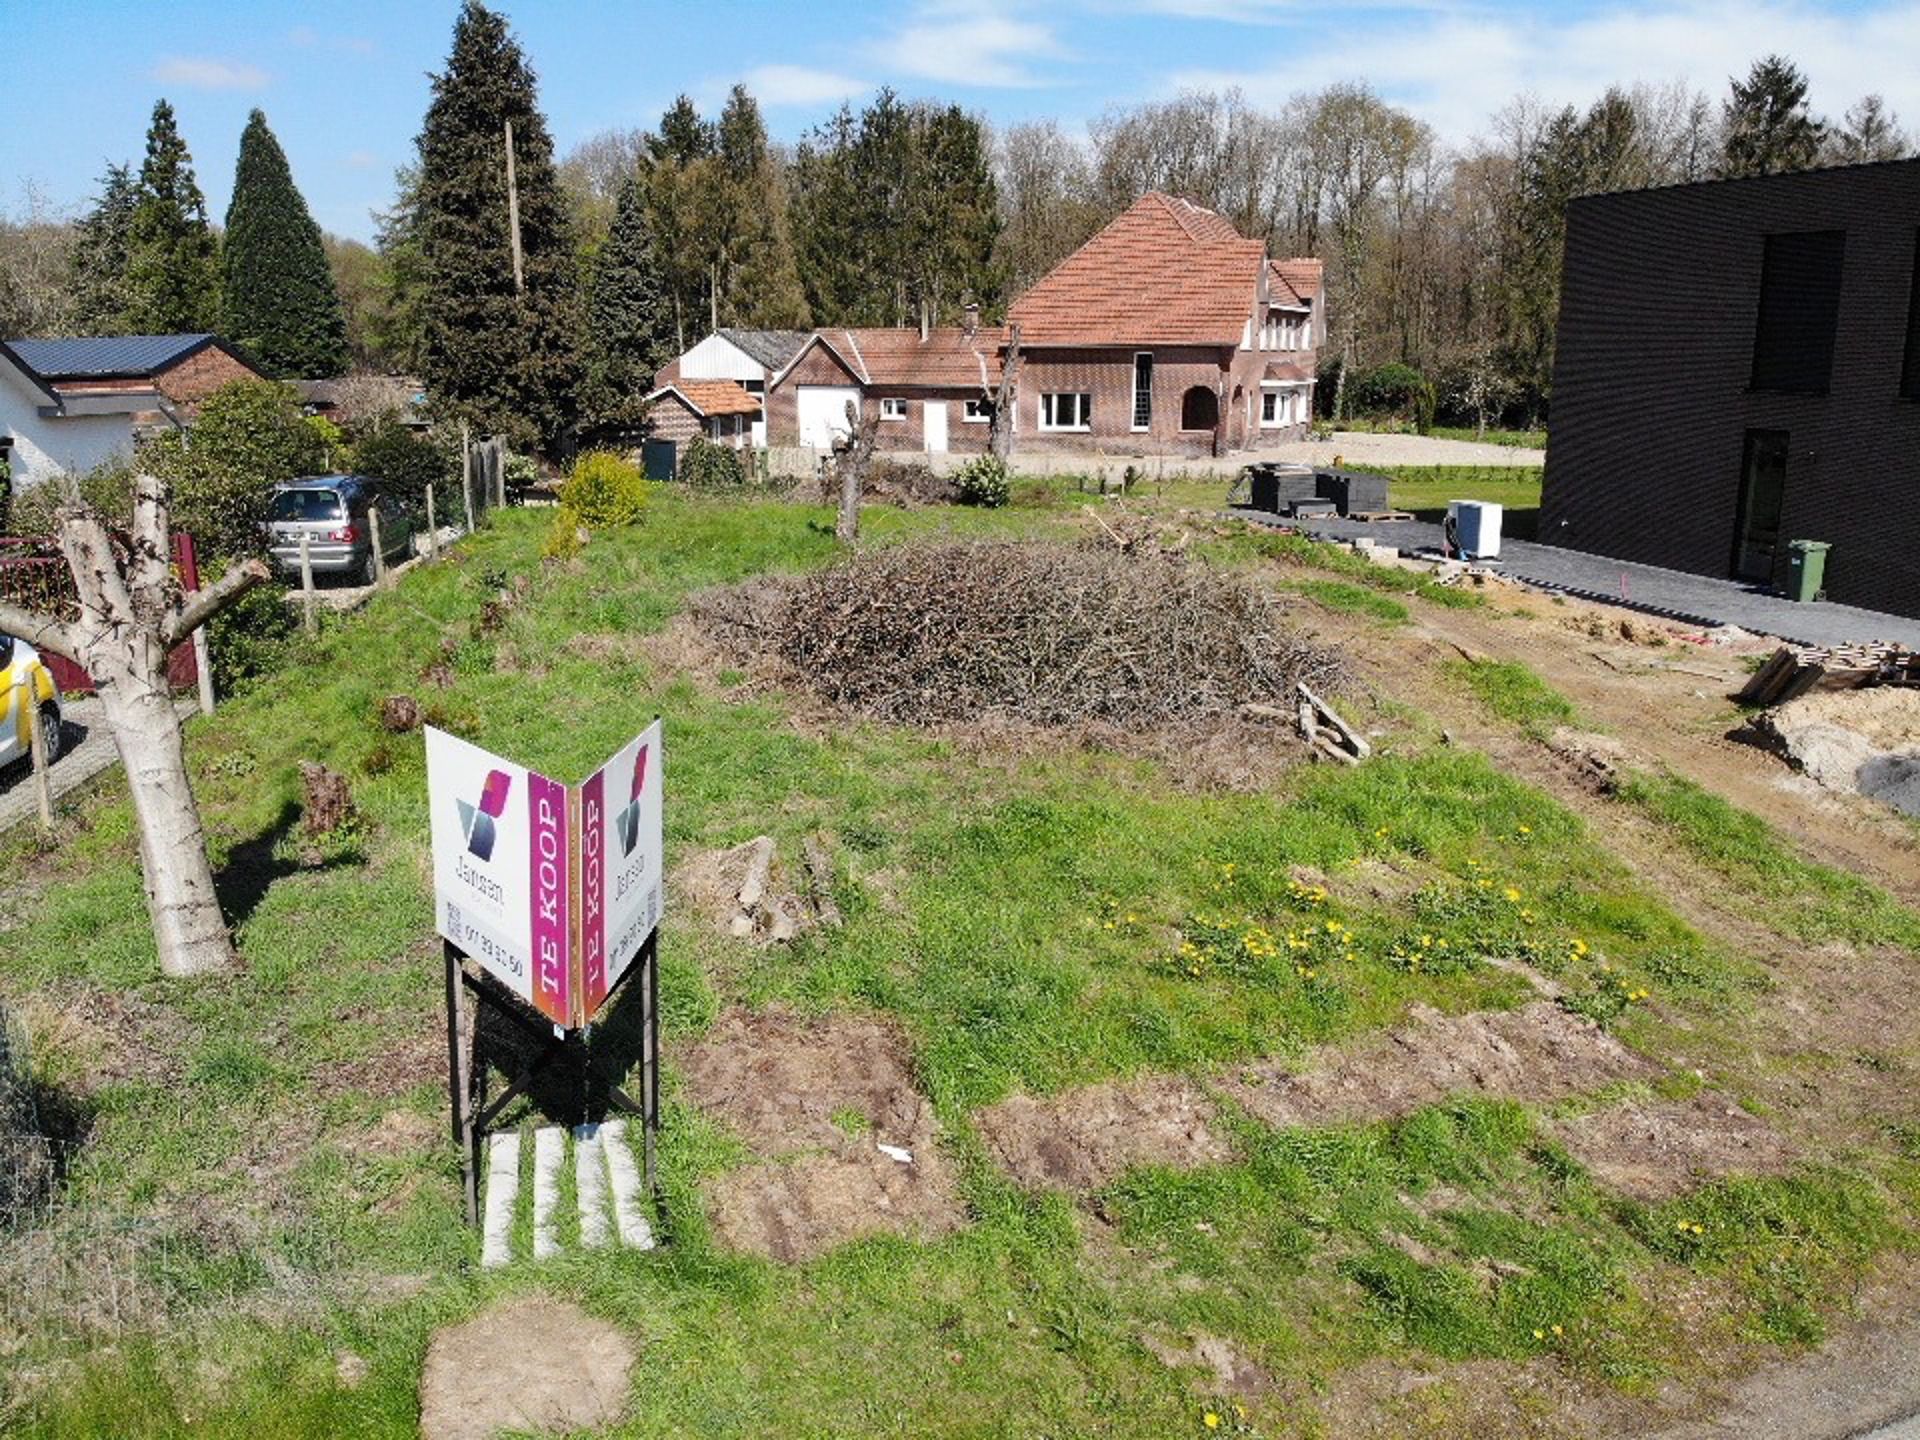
(1016, 916)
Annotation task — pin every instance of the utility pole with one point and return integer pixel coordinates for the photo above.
(513, 217)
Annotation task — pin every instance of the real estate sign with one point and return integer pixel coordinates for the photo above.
(622, 845)
(553, 889)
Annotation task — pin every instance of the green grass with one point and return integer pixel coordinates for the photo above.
(1804, 899)
(1354, 600)
(1511, 692)
(1021, 921)
(1426, 489)
(1297, 552)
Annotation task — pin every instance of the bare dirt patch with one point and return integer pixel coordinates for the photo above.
(1655, 1150)
(847, 1146)
(526, 1364)
(1224, 1366)
(1536, 1053)
(1860, 740)
(1084, 1138)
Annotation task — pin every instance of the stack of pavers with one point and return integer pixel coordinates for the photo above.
(1282, 489)
(1795, 670)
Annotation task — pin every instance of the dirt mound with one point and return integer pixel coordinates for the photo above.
(1865, 740)
(1052, 634)
(1655, 1150)
(1084, 1138)
(1538, 1052)
(847, 1146)
(526, 1364)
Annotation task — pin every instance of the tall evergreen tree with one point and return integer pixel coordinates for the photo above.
(1769, 127)
(502, 356)
(895, 211)
(101, 251)
(630, 329)
(280, 300)
(759, 283)
(173, 261)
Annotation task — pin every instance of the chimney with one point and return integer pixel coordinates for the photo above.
(972, 318)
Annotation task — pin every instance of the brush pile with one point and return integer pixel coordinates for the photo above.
(1048, 634)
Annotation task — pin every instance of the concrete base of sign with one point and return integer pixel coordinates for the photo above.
(606, 1183)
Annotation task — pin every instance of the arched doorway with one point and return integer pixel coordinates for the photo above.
(1199, 409)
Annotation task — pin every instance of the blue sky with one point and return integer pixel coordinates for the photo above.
(344, 84)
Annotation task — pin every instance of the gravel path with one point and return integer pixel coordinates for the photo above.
(1356, 452)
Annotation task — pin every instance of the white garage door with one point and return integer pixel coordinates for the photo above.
(823, 412)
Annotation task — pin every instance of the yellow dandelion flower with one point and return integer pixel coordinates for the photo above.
(1577, 945)
(1539, 1334)
(1526, 829)
(1558, 1331)
(1684, 1226)
(1109, 925)
(1210, 1420)
(1512, 893)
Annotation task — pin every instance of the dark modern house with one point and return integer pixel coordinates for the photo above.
(1738, 367)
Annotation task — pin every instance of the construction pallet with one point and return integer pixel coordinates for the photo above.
(1793, 671)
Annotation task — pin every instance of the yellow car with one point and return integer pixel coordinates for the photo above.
(27, 693)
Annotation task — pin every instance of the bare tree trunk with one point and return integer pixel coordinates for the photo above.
(131, 614)
(851, 461)
(1005, 397)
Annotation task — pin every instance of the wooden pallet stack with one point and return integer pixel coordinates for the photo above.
(1795, 670)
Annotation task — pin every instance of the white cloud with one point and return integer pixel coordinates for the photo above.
(360, 159)
(201, 72)
(1455, 70)
(799, 85)
(970, 47)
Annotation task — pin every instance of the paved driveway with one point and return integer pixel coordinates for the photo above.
(89, 751)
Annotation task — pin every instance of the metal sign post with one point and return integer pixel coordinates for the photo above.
(547, 897)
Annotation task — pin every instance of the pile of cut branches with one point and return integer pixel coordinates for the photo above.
(1049, 634)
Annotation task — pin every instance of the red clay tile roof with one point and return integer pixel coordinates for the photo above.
(1285, 370)
(1165, 272)
(1299, 277)
(716, 397)
(948, 358)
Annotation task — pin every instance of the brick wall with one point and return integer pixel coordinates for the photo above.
(200, 374)
(1651, 403)
(671, 418)
(964, 437)
(1107, 375)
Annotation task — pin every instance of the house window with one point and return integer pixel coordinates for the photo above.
(893, 408)
(974, 412)
(1799, 310)
(1069, 410)
(1142, 390)
(1269, 407)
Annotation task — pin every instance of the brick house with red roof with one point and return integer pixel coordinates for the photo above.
(1167, 333)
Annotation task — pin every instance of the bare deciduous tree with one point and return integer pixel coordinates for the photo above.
(851, 456)
(131, 614)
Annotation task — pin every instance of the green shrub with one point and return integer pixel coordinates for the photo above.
(249, 436)
(1394, 389)
(985, 481)
(604, 490)
(707, 466)
(404, 461)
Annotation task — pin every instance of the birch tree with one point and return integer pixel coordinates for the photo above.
(131, 613)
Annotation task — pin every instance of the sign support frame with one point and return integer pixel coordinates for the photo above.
(473, 1113)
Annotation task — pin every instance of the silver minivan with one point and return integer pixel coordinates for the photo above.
(335, 513)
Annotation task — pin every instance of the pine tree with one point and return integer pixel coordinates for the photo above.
(502, 356)
(101, 250)
(759, 281)
(1769, 128)
(173, 262)
(280, 301)
(630, 329)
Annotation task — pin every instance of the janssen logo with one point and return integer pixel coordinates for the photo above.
(477, 821)
(627, 822)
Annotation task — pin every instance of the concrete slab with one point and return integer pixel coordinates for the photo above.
(1670, 594)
